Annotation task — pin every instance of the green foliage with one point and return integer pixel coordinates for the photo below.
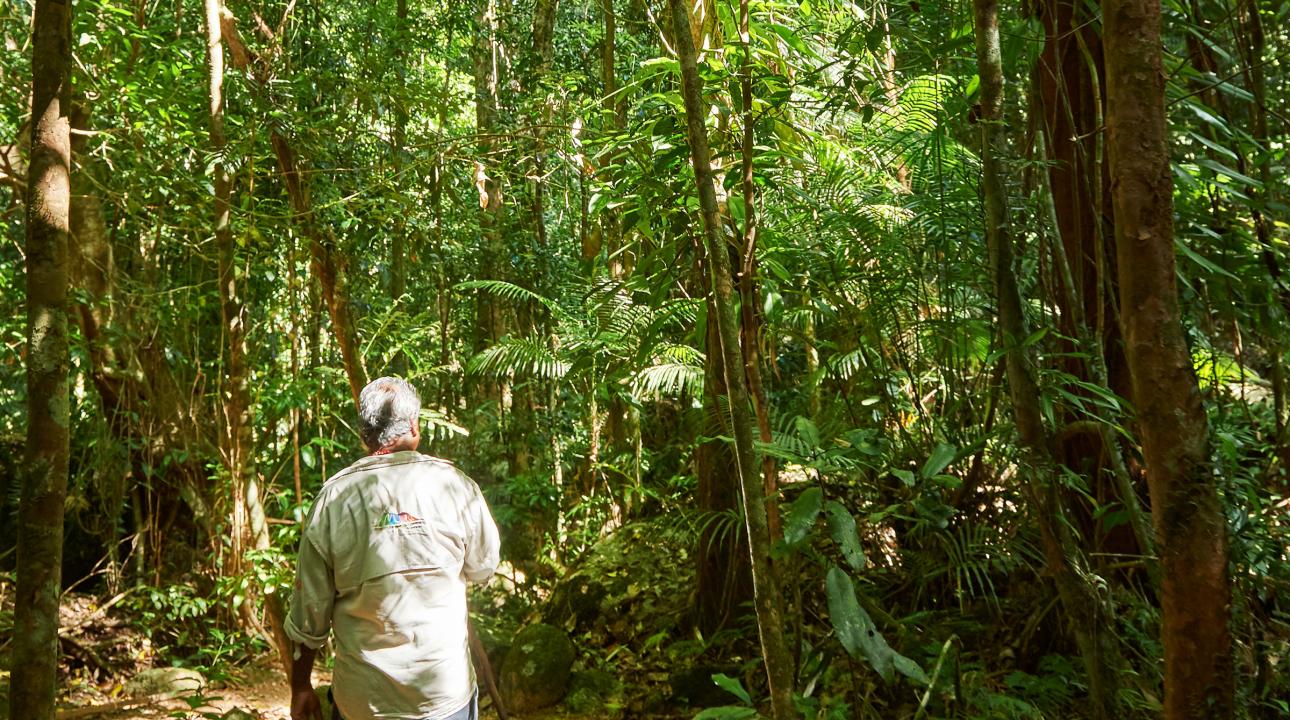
(588, 411)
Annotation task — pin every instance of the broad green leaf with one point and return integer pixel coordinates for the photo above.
(842, 528)
(1212, 145)
(807, 431)
(942, 455)
(801, 515)
(1226, 171)
(853, 626)
(732, 686)
(1201, 261)
(905, 476)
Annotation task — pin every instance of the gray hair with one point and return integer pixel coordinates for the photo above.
(386, 407)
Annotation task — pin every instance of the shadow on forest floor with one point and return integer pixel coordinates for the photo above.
(260, 690)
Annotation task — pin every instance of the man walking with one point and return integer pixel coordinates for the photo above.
(390, 544)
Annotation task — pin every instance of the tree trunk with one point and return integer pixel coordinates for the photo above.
(1191, 532)
(1086, 612)
(34, 680)
(1067, 106)
(492, 309)
(724, 580)
(779, 667)
(324, 267)
(750, 320)
(249, 527)
(398, 242)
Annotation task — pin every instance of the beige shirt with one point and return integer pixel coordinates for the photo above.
(384, 560)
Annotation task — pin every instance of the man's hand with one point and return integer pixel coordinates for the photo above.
(305, 705)
(304, 701)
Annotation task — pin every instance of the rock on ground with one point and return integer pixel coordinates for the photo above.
(169, 681)
(535, 673)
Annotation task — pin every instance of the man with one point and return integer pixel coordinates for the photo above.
(384, 560)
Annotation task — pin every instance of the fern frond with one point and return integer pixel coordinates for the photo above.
(518, 356)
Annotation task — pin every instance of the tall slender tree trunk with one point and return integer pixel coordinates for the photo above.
(235, 442)
(398, 242)
(778, 660)
(250, 527)
(750, 319)
(1191, 532)
(1086, 612)
(44, 480)
(492, 309)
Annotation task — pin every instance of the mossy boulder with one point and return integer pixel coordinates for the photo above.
(535, 673)
(168, 681)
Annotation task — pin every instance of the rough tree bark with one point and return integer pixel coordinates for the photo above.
(44, 480)
(775, 653)
(1086, 612)
(1191, 532)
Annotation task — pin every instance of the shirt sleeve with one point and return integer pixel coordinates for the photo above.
(309, 620)
(483, 543)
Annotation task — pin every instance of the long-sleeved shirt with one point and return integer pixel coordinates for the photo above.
(389, 546)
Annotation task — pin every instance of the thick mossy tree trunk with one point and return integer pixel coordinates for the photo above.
(34, 682)
(1191, 532)
(1086, 612)
(775, 653)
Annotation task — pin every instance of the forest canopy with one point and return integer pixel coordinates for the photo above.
(825, 359)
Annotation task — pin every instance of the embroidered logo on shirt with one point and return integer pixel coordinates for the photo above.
(393, 519)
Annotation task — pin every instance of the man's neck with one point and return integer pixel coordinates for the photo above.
(397, 446)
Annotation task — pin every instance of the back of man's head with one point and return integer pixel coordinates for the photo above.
(388, 409)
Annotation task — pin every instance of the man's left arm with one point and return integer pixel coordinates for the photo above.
(483, 544)
(308, 623)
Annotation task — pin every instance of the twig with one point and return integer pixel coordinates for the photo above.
(477, 648)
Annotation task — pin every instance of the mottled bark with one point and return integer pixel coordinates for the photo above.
(775, 652)
(33, 683)
(1088, 615)
(1191, 532)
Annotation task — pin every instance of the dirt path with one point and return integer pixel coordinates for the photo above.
(260, 690)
